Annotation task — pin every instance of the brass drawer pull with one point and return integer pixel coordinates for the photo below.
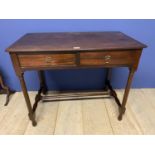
(107, 57)
(48, 59)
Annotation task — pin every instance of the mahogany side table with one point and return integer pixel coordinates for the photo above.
(42, 51)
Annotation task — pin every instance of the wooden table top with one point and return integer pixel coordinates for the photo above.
(71, 41)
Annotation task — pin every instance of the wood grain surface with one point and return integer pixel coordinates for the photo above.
(72, 41)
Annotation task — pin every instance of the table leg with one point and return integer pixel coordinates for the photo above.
(107, 78)
(42, 89)
(109, 87)
(126, 93)
(42, 82)
(28, 103)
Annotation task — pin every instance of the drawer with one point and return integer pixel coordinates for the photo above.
(109, 58)
(46, 60)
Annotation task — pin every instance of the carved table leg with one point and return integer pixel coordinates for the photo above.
(7, 91)
(28, 103)
(126, 93)
(42, 89)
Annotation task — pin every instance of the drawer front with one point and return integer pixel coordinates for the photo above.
(109, 58)
(46, 60)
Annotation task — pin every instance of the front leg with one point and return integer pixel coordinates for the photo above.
(27, 99)
(126, 93)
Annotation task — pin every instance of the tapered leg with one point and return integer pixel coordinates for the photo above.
(126, 93)
(28, 103)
